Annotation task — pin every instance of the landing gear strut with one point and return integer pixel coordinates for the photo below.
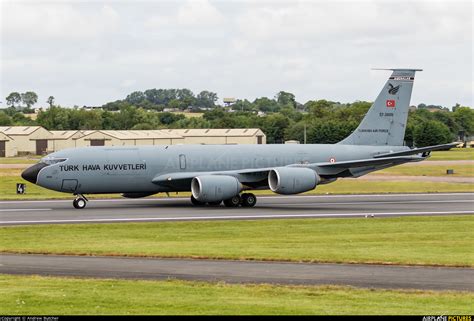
(80, 202)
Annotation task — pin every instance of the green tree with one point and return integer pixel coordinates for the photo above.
(448, 119)
(192, 122)
(206, 99)
(109, 120)
(464, 117)
(19, 119)
(13, 98)
(186, 97)
(55, 118)
(354, 112)
(409, 134)
(242, 105)
(90, 119)
(266, 105)
(295, 131)
(176, 104)
(169, 118)
(29, 98)
(291, 113)
(274, 127)
(329, 131)
(143, 126)
(50, 101)
(214, 114)
(287, 99)
(5, 120)
(135, 98)
(319, 109)
(431, 132)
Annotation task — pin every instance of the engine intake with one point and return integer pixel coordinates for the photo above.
(212, 188)
(292, 180)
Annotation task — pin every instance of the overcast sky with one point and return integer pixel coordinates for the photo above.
(93, 52)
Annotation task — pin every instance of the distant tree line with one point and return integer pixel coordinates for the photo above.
(281, 118)
(159, 99)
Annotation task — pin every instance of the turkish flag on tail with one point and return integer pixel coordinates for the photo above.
(390, 103)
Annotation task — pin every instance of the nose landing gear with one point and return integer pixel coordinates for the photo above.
(80, 202)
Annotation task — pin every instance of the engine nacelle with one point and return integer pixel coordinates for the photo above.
(212, 188)
(292, 180)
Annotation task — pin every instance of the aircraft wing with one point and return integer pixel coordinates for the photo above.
(250, 175)
(254, 175)
(417, 150)
(367, 162)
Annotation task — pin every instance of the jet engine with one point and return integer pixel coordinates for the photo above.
(212, 188)
(292, 180)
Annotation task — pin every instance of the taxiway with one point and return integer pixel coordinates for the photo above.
(27, 212)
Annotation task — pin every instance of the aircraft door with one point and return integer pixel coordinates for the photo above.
(182, 161)
(69, 185)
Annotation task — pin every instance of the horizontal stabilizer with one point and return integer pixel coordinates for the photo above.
(417, 150)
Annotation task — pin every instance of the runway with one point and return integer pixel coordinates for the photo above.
(359, 275)
(268, 207)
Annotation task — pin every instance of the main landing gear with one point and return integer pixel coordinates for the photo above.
(248, 200)
(80, 202)
(244, 200)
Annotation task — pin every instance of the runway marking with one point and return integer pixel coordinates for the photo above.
(260, 197)
(25, 209)
(296, 205)
(227, 217)
(375, 203)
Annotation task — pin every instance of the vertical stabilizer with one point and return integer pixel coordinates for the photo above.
(385, 122)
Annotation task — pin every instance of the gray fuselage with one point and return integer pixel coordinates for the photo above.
(132, 169)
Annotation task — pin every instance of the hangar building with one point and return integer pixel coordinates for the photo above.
(28, 140)
(7, 146)
(127, 137)
(221, 136)
(62, 139)
(36, 140)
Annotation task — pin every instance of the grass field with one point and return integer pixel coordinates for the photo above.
(435, 240)
(429, 170)
(18, 160)
(190, 115)
(53, 295)
(453, 154)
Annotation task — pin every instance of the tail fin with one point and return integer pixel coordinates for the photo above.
(385, 122)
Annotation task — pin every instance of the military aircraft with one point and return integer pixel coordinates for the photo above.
(225, 173)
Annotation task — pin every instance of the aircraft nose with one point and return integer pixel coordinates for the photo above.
(31, 173)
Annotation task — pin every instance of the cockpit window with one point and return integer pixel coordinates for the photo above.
(52, 160)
